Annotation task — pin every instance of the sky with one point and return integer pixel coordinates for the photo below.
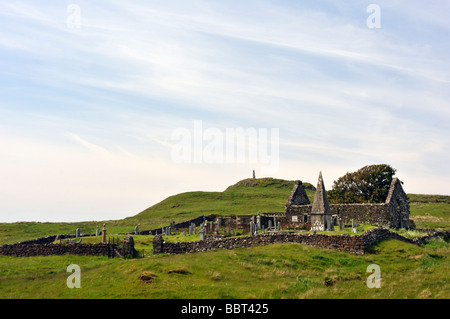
(93, 94)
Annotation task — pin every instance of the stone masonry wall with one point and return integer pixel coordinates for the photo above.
(29, 250)
(352, 244)
(375, 214)
(42, 248)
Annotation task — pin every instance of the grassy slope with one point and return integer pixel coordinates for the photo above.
(268, 195)
(430, 211)
(277, 271)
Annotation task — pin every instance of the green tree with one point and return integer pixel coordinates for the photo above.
(369, 184)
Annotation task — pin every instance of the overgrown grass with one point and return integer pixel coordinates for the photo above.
(274, 271)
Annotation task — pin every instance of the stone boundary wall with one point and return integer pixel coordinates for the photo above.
(29, 250)
(50, 249)
(197, 221)
(352, 244)
(50, 239)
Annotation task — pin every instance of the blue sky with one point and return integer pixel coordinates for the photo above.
(86, 114)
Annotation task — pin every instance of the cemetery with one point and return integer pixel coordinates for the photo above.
(346, 227)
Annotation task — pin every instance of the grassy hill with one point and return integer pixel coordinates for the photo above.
(245, 197)
(275, 271)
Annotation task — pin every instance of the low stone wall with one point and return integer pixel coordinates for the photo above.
(197, 221)
(50, 239)
(29, 250)
(352, 244)
(26, 249)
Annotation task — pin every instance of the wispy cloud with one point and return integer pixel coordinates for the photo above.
(115, 88)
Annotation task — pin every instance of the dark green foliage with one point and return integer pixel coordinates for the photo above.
(369, 184)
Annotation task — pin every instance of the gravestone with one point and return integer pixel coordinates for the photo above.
(97, 232)
(128, 250)
(202, 232)
(77, 234)
(104, 234)
(136, 230)
(258, 220)
(253, 230)
(270, 225)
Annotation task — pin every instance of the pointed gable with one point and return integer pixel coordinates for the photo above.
(320, 205)
(298, 195)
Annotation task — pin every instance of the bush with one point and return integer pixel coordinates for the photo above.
(369, 184)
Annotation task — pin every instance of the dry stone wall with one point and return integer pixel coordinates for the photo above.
(43, 248)
(29, 250)
(375, 214)
(352, 244)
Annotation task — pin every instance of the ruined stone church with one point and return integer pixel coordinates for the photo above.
(394, 212)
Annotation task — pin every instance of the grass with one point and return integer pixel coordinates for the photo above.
(245, 197)
(275, 271)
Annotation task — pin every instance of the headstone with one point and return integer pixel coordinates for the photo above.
(202, 232)
(97, 232)
(184, 233)
(253, 230)
(104, 234)
(270, 224)
(340, 223)
(254, 174)
(77, 234)
(258, 220)
(136, 230)
(279, 226)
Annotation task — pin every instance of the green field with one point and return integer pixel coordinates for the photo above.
(276, 271)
